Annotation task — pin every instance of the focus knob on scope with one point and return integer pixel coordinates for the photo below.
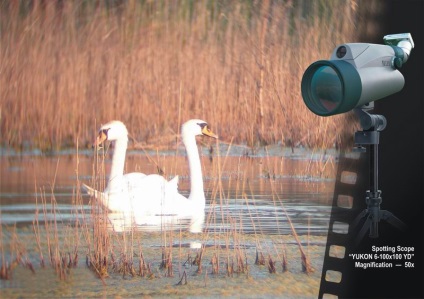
(397, 62)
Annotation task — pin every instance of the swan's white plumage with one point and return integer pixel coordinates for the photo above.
(139, 196)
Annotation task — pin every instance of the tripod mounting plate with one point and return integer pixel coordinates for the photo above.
(367, 137)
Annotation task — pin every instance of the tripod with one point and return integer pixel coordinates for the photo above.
(372, 125)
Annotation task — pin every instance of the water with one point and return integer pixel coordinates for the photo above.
(254, 201)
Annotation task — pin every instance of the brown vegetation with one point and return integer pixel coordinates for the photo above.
(227, 251)
(67, 66)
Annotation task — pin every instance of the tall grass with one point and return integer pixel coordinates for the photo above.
(66, 65)
(224, 250)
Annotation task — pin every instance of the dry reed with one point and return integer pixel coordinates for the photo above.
(68, 64)
(108, 252)
(75, 63)
(111, 253)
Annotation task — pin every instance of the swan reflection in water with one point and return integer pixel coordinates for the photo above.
(120, 222)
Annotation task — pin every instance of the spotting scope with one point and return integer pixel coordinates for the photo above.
(355, 75)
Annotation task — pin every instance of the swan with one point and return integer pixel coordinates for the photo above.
(121, 187)
(139, 197)
(193, 207)
(194, 204)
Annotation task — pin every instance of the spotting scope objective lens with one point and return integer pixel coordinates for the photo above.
(329, 87)
(326, 89)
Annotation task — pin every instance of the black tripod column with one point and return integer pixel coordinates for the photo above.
(373, 196)
(372, 214)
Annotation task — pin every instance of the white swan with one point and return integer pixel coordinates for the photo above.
(192, 207)
(121, 187)
(139, 197)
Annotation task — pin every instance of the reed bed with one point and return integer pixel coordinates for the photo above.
(67, 66)
(224, 251)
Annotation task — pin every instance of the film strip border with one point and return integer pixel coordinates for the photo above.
(349, 197)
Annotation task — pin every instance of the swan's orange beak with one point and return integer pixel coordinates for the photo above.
(100, 139)
(206, 131)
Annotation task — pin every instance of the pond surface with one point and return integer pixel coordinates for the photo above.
(274, 202)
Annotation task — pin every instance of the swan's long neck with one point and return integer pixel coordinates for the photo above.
(196, 179)
(118, 163)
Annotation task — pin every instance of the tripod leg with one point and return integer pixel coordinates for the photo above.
(393, 220)
(359, 218)
(364, 229)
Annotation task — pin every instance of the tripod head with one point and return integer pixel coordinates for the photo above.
(372, 125)
(370, 122)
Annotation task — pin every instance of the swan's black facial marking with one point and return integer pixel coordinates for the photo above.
(104, 131)
(202, 125)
